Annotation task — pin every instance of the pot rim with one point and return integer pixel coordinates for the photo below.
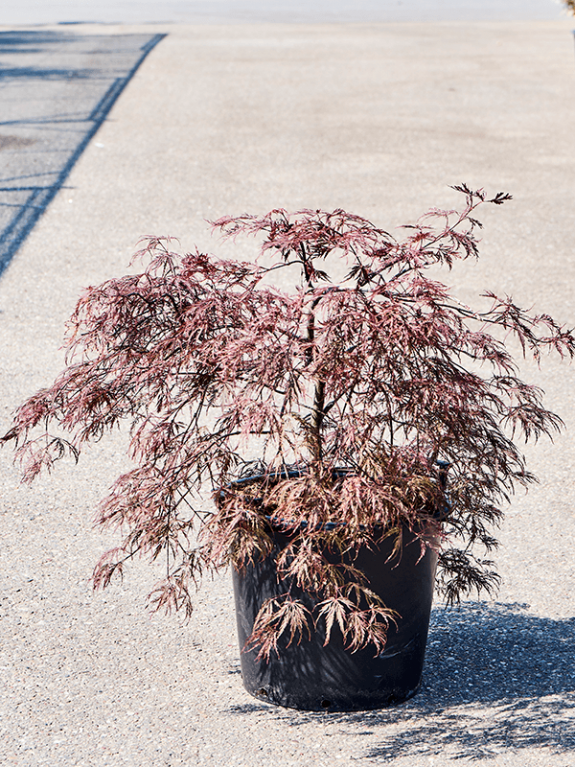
(439, 515)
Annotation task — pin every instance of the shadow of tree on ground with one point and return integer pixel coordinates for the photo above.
(496, 679)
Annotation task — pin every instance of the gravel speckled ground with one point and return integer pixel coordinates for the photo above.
(379, 120)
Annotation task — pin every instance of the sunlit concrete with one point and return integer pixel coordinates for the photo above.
(287, 11)
(380, 120)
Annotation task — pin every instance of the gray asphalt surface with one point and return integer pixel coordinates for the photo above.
(378, 119)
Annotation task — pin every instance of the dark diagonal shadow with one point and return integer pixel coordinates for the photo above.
(44, 74)
(56, 89)
(497, 679)
(31, 41)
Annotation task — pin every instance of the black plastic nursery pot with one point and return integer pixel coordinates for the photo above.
(312, 677)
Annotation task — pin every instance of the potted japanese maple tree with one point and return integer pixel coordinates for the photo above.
(353, 432)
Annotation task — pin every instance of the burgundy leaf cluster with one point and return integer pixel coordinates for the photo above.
(331, 413)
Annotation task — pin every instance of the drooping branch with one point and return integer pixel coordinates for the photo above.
(342, 396)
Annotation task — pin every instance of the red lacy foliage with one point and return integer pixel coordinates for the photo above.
(378, 376)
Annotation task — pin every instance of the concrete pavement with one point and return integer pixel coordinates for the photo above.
(378, 119)
(56, 89)
(277, 11)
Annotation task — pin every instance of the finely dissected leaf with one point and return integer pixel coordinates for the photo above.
(347, 397)
(279, 616)
(359, 626)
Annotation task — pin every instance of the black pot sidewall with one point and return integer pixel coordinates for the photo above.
(313, 677)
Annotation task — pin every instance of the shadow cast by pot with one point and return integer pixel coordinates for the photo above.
(496, 678)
